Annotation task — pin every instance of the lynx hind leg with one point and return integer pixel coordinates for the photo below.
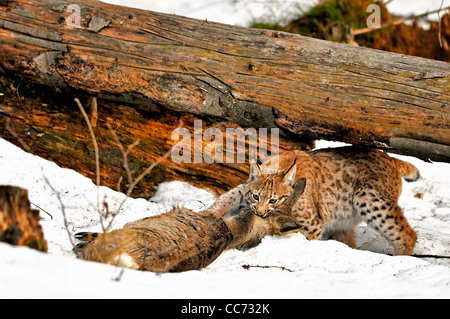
(347, 237)
(387, 218)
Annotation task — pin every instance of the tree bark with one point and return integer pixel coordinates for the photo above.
(51, 126)
(19, 225)
(251, 77)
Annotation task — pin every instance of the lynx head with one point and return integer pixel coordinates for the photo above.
(267, 192)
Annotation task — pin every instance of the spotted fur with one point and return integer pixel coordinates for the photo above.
(344, 186)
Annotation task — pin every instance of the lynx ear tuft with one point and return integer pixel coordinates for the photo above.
(289, 175)
(255, 171)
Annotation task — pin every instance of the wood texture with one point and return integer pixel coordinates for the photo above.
(50, 125)
(19, 225)
(251, 77)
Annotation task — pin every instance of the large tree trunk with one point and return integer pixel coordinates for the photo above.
(250, 77)
(43, 123)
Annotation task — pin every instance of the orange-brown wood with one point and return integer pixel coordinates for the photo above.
(50, 125)
(251, 77)
(19, 225)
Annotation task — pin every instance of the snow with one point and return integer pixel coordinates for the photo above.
(181, 193)
(245, 12)
(408, 7)
(237, 12)
(312, 269)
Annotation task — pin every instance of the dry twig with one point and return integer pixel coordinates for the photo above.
(16, 136)
(63, 208)
(97, 157)
(440, 23)
(367, 30)
(94, 112)
(133, 181)
(124, 153)
(259, 266)
(42, 209)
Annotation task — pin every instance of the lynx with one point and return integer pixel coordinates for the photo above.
(344, 186)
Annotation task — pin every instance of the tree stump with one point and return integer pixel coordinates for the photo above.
(19, 225)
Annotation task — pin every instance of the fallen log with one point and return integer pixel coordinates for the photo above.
(19, 224)
(49, 125)
(255, 78)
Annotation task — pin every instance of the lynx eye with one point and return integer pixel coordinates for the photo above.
(273, 201)
(255, 197)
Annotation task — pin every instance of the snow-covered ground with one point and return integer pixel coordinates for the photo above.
(325, 269)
